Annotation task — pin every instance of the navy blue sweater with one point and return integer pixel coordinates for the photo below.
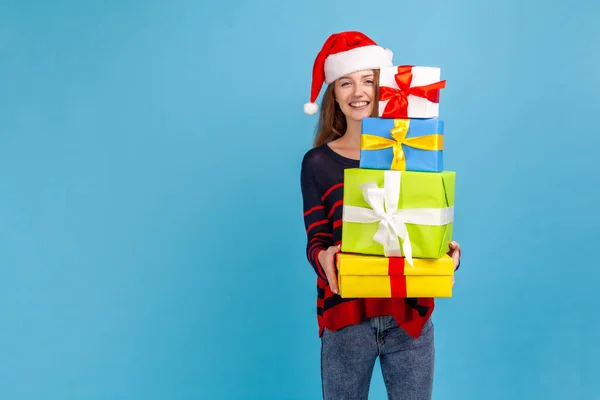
(322, 184)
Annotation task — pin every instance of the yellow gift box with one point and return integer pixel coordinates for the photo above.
(369, 276)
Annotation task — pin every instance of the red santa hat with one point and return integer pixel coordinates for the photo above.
(342, 54)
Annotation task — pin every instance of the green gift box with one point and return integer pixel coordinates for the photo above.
(398, 213)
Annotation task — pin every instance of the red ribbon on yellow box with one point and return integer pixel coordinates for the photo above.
(367, 276)
(397, 105)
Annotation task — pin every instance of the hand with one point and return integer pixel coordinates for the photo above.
(327, 261)
(455, 253)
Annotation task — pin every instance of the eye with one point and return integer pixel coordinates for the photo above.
(370, 81)
(345, 84)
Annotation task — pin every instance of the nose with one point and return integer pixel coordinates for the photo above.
(358, 90)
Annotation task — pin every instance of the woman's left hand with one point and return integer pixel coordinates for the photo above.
(455, 253)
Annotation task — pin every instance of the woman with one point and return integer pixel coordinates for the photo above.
(354, 332)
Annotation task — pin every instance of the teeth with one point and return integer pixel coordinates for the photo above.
(359, 104)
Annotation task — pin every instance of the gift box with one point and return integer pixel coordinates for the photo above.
(409, 92)
(365, 276)
(397, 213)
(402, 144)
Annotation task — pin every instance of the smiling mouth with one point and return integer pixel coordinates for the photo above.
(359, 105)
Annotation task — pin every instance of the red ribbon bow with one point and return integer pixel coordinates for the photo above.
(397, 106)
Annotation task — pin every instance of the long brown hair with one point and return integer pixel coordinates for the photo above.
(332, 121)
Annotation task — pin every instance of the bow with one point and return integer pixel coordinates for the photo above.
(397, 105)
(399, 132)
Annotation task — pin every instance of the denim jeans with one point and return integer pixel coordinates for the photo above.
(348, 357)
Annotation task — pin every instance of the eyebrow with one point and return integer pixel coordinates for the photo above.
(362, 76)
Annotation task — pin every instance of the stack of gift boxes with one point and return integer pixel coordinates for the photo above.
(399, 204)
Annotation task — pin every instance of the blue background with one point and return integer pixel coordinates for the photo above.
(151, 234)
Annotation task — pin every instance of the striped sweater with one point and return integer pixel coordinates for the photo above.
(322, 185)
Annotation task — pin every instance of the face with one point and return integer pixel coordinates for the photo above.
(355, 94)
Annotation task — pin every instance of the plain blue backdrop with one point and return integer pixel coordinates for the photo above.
(151, 233)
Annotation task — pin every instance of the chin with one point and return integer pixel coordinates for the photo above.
(357, 114)
(360, 115)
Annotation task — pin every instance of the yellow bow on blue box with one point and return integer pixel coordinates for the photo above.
(402, 144)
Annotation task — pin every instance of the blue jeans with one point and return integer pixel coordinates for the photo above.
(348, 358)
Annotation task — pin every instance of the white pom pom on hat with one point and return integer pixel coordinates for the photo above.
(311, 108)
(344, 53)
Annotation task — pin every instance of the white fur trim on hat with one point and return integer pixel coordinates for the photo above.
(358, 59)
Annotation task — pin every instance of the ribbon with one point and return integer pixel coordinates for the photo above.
(397, 106)
(399, 132)
(392, 221)
(397, 277)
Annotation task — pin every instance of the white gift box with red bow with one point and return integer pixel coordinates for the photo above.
(408, 91)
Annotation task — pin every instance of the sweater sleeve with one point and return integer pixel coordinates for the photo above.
(318, 227)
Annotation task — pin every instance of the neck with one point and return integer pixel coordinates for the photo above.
(352, 135)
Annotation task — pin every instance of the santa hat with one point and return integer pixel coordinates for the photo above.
(342, 54)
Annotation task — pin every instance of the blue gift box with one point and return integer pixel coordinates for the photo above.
(402, 144)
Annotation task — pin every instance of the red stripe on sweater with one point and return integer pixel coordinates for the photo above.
(336, 204)
(313, 252)
(342, 315)
(337, 223)
(316, 246)
(326, 234)
(353, 312)
(331, 189)
(315, 259)
(316, 208)
(315, 224)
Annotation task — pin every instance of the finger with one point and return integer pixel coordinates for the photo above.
(454, 253)
(332, 279)
(330, 273)
(450, 249)
(334, 285)
(456, 258)
(451, 252)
